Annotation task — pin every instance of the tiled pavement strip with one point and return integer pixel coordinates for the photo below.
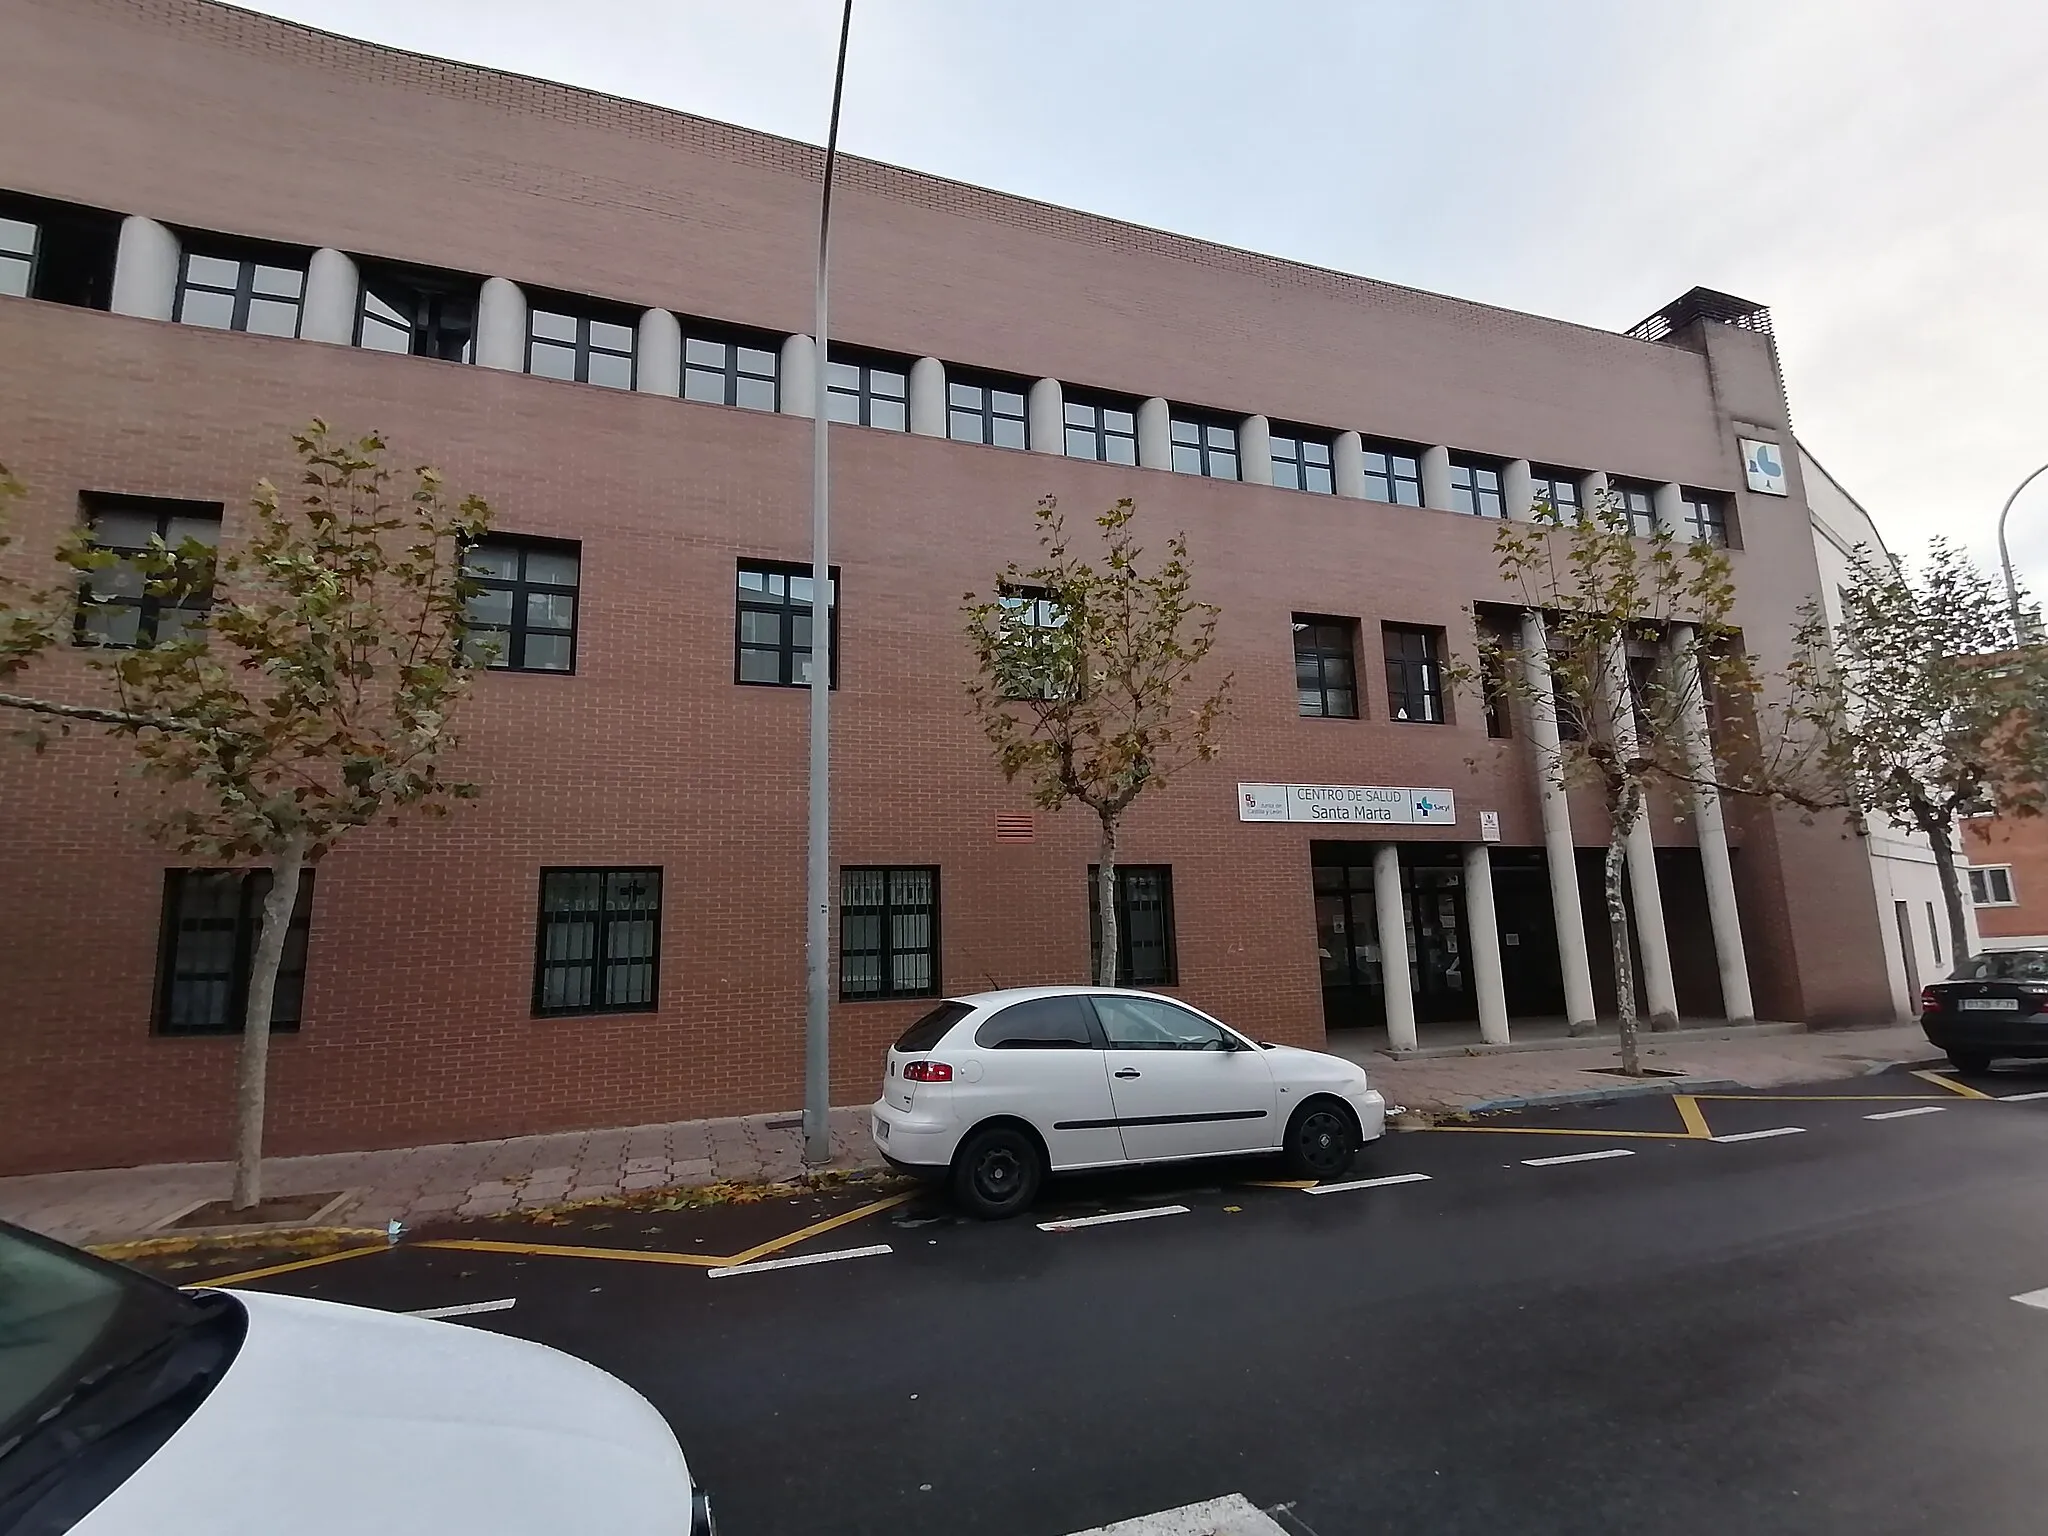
(526, 1173)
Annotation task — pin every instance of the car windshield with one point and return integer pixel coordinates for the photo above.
(2005, 965)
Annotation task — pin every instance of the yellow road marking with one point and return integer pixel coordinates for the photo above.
(844, 1218)
(285, 1269)
(563, 1251)
(1551, 1130)
(1952, 1085)
(1280, 1183)
(1820, 1098)
(1688, 1109)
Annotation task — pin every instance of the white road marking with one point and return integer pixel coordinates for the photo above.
(1776, 1130)
(2033, 1299)
(1577, 1157)
(1392, 1178)
(1231, 1515)
(467, 1309)
(2021, 1098)
(1107, 1218)
(800, 1261)
(1900, 1114)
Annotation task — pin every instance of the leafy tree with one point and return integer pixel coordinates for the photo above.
(1086, 679)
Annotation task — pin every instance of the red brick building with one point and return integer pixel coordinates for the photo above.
(216, 226)
(2008, 879)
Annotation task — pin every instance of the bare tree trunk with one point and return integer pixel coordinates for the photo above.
(254, 1075)
(1105, 901)
(1617, 929)
(1938, 835)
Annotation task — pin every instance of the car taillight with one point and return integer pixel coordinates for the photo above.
(927, 1072)
(1930, 1000)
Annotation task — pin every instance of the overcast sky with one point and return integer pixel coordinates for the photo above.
(1871, 169)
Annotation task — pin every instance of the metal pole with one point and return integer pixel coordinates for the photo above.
(818, 881)
(2012, 588)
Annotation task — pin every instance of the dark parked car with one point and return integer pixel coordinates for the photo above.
(1995, 1004)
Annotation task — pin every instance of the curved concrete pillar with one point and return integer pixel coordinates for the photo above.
(1483, 933)
(1669, 502)
(145, 270)
(501, 325)
(799, 370)
(332, 288)
(1391, 911)
(1155, 434)
(928, 397)
(1347, 465)
(1560, 853)
(1255, 451)
(1517, 489)
(1711, 827)
(1592, 487)
(658, 367)
(1646, 895)
(1047, 409)
(1436, 479)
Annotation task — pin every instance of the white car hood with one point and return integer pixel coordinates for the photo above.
(335, 1420)
(1292, 1064)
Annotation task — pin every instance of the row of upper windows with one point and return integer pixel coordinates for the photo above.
(239, 285)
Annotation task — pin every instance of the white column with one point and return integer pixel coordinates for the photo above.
(658, 365)
(1046, 407)
(1155, 434)
(1711, 827)
(332, 288)
(798, 374)
(1392, 913)
(501, 325)
(1255, 451)
(1482, 932)
(1646, 894)
(1559, 851)
(1669, 502)
(1592, 487)
(1347, 465)
(928, 397)
(1518, 489)
(1436, 478)
(145, 270)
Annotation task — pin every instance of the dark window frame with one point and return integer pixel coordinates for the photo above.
(1192, 447)
(583, 314)
(1562, 489)
(1300, 466)
(886, 951)
(1041, 613)
(600, 961)
(1169, 940)
(864, 394)
(730, 373)
(71, 250)
(985, 415)
(149, 607)
(1474, 482)
(1414, 679)
(1400, 472)
(442, 324)
(248, 255)
(1096, 427)
(1322, 650)
(253, 885)
(787, 608)
(519, 630)
(1637, 500)
(1706, 516)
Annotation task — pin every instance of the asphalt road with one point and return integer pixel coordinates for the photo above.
(1808, 1332)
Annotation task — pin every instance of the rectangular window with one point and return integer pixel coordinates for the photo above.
(207, 943)
(124, 605)
(1414, 674)
(773, 647)
(1638, 503)
(60, 252)
(1144, 924)
(1034, 665)
(868, 393)
(985, 410)
(418, 313)
(1393, 472)
(723, 367)
(1326, 666)
(522, 618)
(1557, 489)
(1991, 885)
(588, 347)
(1706, 518)
(1496, 642)
(1475, 488)
(598, 945)
(888, 933)
(1102, 429)
(1203, 445)
(241, 291)
(1301, 460)
(18, 241)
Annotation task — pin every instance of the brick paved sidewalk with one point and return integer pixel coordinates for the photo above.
(489, 1178)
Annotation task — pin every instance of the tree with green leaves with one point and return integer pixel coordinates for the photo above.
(1938, 705)
(1089, 680)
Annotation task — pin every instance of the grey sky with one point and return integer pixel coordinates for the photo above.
(1868, 168)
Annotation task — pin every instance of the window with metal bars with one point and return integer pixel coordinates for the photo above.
(420, 313)
(868, 392)
(1144, 924)
(134, 601)
(1475, 488)
(598, 943)
(726, 368)
(1101, 428)
(773, 618)
(228, 289)
(888, 932)
(1414, 674)
(1559, 490)
(1393, 472)
(207, 943)
(1706, 518)
(1326, 666)
(522, 615)
(985, 410)
(1203, 445)
(1302, 460)
(582, 346)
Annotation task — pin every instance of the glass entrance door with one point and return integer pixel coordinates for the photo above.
(1347, 941)
(1438, 952)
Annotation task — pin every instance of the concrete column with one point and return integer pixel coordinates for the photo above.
(798, 370)
(1592, 487)
(1255, 451)
(145, 270)
(501, 325)
(1436, 478)
(1347, 465)
(1517, 489)
(332, 290)
(1646, 895)
(1046, 408)
(1669, 502)
(1711, 827)
(1560, 853)
(1482, 929)
(928, 397)
(1392, 913)
(658, 363)
(1155, 434)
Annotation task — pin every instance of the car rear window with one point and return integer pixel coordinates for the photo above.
(931, 1029)
(1039, 1024)
(2005, 965)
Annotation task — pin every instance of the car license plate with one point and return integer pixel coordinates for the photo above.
(1990, 1005)
(881, 1130)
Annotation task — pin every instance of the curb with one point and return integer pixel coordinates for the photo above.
(1650, 1039)
(1667, 1085)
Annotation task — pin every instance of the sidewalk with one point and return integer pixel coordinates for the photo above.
(523, 1173)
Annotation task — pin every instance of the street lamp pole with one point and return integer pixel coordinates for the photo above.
(2012, 587)
(818, 872)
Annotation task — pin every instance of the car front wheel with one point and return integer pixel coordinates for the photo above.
(1320, 1141)
(997, 1173)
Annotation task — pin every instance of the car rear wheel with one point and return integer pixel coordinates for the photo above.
(1970, 1061)
(997, 1173)
(1320, 1141)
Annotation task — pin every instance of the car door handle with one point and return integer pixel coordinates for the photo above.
(1128, 1072)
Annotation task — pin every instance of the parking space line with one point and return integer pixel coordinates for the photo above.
(1776, 1130)
(284, 1269)
(802, 1260)
(2022, 1098)
(2034, 1298)
(467, 1308)
(1109, 1218)
(1689, 1111)
(816, 1228)
(1551, 1130)
(1578, 1157)
(566, 1251)
(1379, 1183)
(1941, 1080)
(1900, 1114)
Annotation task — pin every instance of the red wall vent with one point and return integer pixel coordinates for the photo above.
(1014, 829)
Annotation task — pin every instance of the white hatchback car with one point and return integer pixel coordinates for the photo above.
(996, 1090)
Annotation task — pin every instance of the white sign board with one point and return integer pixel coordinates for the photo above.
(1346, 802)
(1764, 464)
(1489, 826)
